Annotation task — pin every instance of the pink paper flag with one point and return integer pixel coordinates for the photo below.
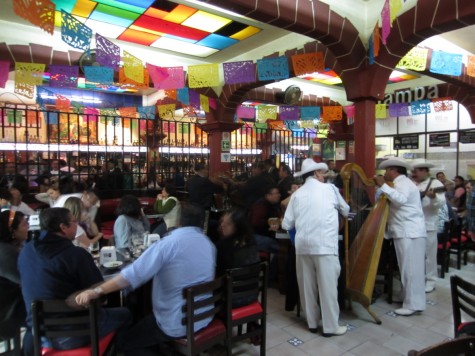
(4, 70)
(386, 22)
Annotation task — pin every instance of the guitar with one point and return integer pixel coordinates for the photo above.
(434, 190)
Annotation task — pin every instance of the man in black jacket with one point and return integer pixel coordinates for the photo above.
(53, 268)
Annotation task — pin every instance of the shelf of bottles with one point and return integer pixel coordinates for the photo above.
(32, 139)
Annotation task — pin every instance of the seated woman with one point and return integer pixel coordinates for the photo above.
(167, 204)
(13, 234)
(87, 232)
(237, 247)
(131, 220)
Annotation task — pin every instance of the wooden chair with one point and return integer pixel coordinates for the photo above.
(458, 242)
(247, 283)
(443, 248)
(203, 301)
(55, 319)
(461, 346)
(463, 299)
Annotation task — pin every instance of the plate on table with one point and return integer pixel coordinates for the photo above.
(113, 264)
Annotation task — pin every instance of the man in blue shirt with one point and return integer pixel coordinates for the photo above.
(183, 258)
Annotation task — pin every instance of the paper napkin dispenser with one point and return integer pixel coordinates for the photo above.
(108, 254)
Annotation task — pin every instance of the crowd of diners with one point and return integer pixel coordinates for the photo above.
(58, 264)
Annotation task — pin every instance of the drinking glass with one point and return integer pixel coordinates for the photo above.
(137, 240)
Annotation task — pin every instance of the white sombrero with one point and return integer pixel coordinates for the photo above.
(309, 165)
(394, 162)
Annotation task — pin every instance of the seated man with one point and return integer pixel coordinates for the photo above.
(261, 211)
(53, 268)
(182, 258)
(16, 202)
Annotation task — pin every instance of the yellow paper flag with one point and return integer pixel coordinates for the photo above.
(166, 111)
(133, 67)
(29, 73)
(395, 7)
(381, 112)
(203, 75)
(415, 59)
(204, 102)
(266, 112)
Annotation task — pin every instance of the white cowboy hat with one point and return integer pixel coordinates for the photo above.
(394, 162)
(309, 165)
(422, 163)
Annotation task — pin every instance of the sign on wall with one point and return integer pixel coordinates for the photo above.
(407, 142)
(439, 140)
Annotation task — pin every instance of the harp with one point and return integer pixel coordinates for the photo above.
(362, 256)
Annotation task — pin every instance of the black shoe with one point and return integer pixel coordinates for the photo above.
(313, 330)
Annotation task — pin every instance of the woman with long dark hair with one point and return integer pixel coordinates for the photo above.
(131, 220)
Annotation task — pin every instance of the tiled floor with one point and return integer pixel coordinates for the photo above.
(395, 336)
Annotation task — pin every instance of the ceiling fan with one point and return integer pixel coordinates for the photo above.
(290, 96)
(88, 58)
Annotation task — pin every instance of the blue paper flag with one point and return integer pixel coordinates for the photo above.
(292, 125)
(183, 96)
(420, 107)
(446, 63)
(273, 68)
(309, 112)
(146, 112)
(99, 75)
(74, 33)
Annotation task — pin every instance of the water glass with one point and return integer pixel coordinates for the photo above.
(137, 243)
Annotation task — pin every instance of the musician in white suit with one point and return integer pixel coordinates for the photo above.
(406, 226)
(313, 211)
(432, 198)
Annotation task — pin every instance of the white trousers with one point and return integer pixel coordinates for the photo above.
(317, 276)
(411, 256)
(431, 258)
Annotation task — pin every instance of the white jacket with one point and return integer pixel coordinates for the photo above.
(313, 211)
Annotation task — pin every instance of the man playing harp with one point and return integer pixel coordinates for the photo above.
(406, 226)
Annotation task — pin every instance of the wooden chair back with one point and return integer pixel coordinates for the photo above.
(463, 300)
(247, 286)
(202, 301)
(54, 319)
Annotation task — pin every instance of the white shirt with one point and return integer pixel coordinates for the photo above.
(406, 219)
(431, 207)
(313, 211)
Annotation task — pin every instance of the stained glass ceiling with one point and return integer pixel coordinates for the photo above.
(161, 24)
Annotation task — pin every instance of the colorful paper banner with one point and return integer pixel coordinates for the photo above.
(239, 72)
(74, 33)
(63, 76)
(446, 63)
(245, 112)
(133, 67)
(420, 107)
(415, 59)
(273, 68)
(381, 111)
(107, 53)
(288, 112)
(203, 75)
(4, 71)
(100, 75)
(309, 112)
(308, 63)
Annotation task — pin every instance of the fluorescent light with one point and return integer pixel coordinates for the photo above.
(183, 47)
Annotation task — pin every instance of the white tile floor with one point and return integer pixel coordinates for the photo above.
(395, 336)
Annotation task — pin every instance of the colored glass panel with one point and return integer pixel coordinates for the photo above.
(183, 47)
(138, 28)
(113, 20)
(105, 29)
(139, 37)
(180, 14)
(123, 6)
(65, 5)
(170, 28)
(231, 29)
(139, 3)
(205, 21)
(180, 38)
(83, 8)
(113, 11)
(164, 5)
(247, 32)
(157, 13)
(217, 41)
